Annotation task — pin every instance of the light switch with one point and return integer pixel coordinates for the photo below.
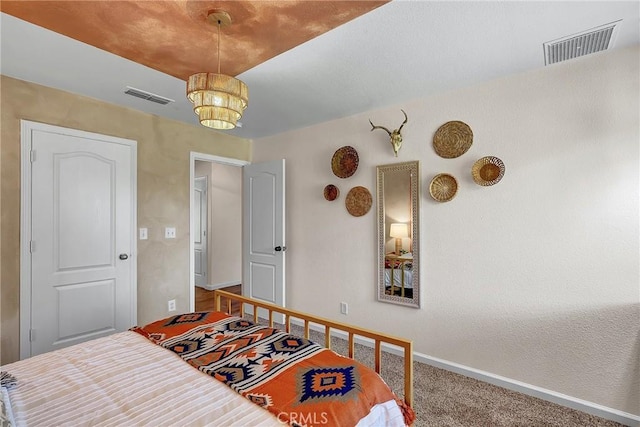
(170, 233)
(143, 234)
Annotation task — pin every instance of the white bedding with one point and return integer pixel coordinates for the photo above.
(125, 380)
(397, 278)
(6, 418)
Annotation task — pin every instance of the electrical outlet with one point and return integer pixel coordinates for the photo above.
(143, 234)
(171, 305)
(170, 233)
(344, 308)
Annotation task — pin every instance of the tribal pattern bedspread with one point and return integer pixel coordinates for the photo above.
(294, 378)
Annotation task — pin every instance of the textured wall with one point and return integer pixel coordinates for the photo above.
(536, 278)
(163, 191)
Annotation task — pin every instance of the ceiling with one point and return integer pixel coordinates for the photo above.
(305, 62)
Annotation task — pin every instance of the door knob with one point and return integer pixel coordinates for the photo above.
(280, 248)
(123, 256)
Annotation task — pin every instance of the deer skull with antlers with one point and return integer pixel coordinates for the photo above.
(395, 137)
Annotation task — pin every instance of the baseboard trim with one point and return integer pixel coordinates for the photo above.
(212, 287)
(532, 390)
(504, 382)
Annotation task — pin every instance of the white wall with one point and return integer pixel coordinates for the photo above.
(536, 278)
(225, 222)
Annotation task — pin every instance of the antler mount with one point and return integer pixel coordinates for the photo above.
(395, 137)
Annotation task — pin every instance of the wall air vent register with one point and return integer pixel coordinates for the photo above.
(138, 93)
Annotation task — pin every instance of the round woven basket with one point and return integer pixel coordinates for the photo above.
(452, 139)
(331, 192)
(443, 187)
(358, 201)
(487, 171)
(345, 162)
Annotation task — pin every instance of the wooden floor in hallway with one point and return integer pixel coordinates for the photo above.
(204, 299)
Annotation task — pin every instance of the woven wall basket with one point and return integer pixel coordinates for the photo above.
(443, 187)
(452, 139)
(345, 162)
(487, 171)
(358, 201)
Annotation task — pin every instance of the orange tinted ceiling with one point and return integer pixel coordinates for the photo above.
(175, 37)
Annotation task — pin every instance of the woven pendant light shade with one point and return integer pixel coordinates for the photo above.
(218, 100)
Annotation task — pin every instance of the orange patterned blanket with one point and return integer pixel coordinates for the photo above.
(299, 381)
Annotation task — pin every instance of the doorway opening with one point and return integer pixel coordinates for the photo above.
(215, 242)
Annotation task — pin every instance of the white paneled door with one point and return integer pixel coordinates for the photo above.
(200, 220)
(81, 267)
(264, 232)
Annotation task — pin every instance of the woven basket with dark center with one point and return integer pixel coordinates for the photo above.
(487, 171)
(331, 192)
(344, 162)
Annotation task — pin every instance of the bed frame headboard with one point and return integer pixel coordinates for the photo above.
(352, 331)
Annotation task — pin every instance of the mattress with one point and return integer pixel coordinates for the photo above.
(123, 380)
(126, 380)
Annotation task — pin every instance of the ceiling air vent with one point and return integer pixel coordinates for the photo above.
(584, 43)
(148, 96)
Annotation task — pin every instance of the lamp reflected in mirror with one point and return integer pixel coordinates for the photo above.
(398, 233)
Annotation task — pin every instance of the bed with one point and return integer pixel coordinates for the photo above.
(398, 275)
(210, 368)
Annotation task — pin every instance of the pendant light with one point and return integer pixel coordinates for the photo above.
(218, 100)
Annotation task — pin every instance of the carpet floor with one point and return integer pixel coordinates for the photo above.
(446, 399)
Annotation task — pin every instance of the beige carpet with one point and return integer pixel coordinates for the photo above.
(446, 399)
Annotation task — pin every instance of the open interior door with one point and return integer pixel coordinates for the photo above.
(200, 220)
(263, 235)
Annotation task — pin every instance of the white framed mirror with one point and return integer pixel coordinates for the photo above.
(398, 198)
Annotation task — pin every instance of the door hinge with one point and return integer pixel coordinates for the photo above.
(32, 156)
(32, 335)
(32, 246)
